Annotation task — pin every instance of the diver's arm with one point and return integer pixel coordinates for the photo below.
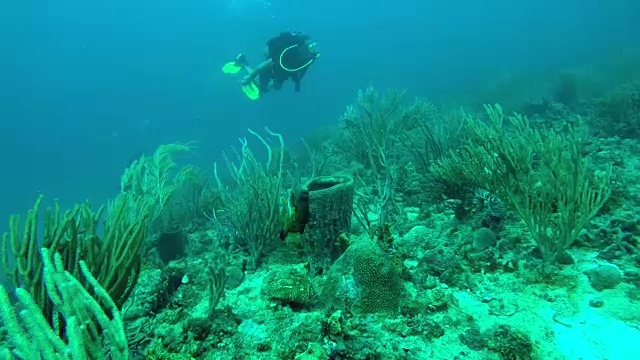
(302, 72)
(297, 76)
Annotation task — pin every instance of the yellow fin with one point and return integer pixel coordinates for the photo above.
(231, 68)
(252, 91)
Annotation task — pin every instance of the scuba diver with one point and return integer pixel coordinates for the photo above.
(287, 56)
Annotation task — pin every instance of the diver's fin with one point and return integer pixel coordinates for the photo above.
(252, 91)
(233, 67)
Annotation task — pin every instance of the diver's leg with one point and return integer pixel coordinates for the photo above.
(277, 84)
(247, 70)
(241, 60)
(264, 79)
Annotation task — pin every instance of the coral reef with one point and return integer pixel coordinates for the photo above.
(437, 235)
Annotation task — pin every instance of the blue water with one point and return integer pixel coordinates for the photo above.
(85, 85)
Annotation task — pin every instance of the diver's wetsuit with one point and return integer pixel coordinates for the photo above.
(282, 50)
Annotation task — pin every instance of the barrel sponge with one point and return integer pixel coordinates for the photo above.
(330, 204)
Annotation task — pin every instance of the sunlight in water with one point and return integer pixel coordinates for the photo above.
(239, 7)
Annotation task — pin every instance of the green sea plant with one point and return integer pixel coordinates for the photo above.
(618, 112)
(93, 326)
(251, 197)
(110, 250)
(155, 178)
(540, 173)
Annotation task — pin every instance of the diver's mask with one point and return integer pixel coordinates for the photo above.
(309, 50)
(312, 46)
